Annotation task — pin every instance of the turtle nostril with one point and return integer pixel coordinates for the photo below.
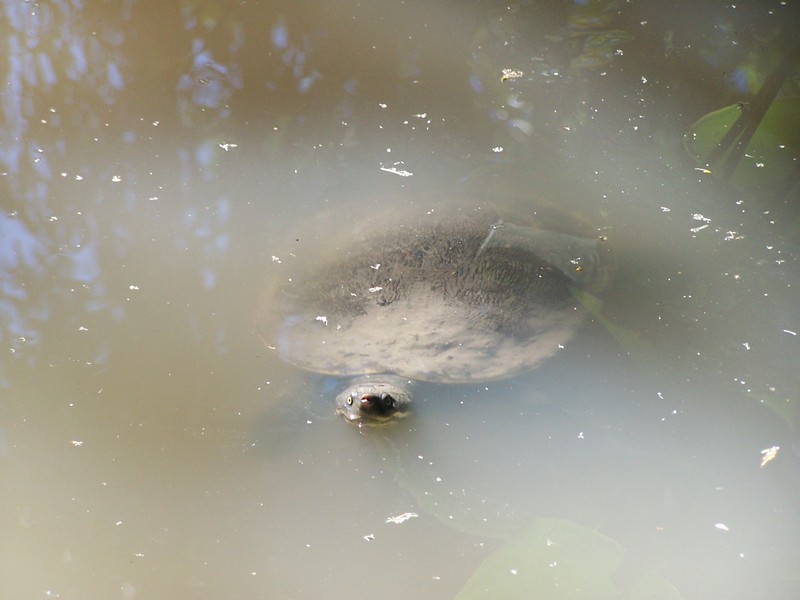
(388, 401)
(377, 404)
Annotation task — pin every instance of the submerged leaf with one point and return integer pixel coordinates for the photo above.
(556, 558)
(630, 340)
(771, 155)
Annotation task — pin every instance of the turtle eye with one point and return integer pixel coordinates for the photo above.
(349, 401)
(388, 401)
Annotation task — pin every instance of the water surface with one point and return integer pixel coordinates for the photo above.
(159, 165)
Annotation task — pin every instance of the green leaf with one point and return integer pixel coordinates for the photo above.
(630, 340)
(772, 154)
(555, 559)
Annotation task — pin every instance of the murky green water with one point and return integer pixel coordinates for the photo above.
(160, 163)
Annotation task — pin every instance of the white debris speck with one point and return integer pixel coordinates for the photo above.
(77, 443)
(700, 217)
(116, 179)
(510, 74)
(721, 526)
(768, 454)
(375, 289)
(376, 266)
(790, 332)
(497, 149)
(276, 259)
(228, 146)
(369, 537)
(82, 328)
(401, 518)
(396, 171)
(696, 229)
(664, 209)
(322, 319)
(513, 571)
(421, 116)
(133, 287)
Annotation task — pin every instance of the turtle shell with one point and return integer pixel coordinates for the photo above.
(452, 296)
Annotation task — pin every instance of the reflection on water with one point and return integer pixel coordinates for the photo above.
(158, 161)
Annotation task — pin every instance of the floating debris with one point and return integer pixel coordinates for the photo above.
(769, 454)
(396, 171)
(401, 518)
(510, 74)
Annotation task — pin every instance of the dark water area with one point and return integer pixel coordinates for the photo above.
(162, 168)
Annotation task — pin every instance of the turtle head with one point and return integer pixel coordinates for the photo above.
(373, 402)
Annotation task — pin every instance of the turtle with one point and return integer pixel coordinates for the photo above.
(451, 296)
